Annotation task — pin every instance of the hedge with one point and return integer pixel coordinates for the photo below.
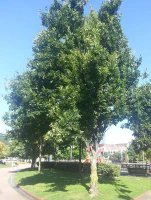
(103, 168)
(108, 170)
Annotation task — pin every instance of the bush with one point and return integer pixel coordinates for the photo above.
(103, 169)
(108, 170)
(66, 166)
(86, 167)
(47, 165)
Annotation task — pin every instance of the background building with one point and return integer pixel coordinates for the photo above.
(112, 148)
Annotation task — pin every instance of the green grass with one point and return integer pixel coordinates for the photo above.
(56, 185)
(5, 166)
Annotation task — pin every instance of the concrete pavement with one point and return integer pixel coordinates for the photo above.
(145, 196)
(7, 190)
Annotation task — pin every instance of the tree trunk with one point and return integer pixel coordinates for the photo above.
(80, 158)
(33, 161)
(70, 152)
(33, 156)
(40, 149)
(94, 191)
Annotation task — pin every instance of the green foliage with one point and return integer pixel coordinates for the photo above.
(80, 77)
(4, 139)
(131, 153)
(79, 81)
(116, 156)
(106, 154)
(139, 113)
(108, 170)
(90, 66)
(69, 152)
(148, 154)
(17, 149)
(66, 166)
(103, 169)
(141, 155)
(3, 150)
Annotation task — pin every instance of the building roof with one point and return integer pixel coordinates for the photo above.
(113, 145)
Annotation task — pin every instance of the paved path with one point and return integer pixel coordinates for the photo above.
(7, 192)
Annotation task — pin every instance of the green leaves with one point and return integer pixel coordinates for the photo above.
(86, 64)
(139, 116)
(80, 79)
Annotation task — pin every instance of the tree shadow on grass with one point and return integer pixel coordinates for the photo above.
(122, 189)
(56, 180)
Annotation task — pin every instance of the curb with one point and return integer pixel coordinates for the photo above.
(26, 192)
(143, 195)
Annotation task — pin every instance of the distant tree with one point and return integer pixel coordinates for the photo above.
(3, 138)
(27, 114)
(106, 154)
(139, 117)
(116, 157)
(131, 153)
(16, 149)
(3, 150)
(141, 155)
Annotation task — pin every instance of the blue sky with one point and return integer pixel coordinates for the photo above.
(20, 23)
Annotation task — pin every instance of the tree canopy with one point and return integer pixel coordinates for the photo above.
(79, 81)
(139, 120)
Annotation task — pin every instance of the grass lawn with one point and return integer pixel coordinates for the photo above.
(58, 185)
(4, 166)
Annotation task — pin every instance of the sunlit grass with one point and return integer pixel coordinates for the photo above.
(58, 185)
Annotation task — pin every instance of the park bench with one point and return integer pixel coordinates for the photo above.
(138, 169)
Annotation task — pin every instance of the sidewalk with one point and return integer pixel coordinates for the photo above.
(8, 192)
(145, 196)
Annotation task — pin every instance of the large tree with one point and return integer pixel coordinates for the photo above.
(87, 64)
(83, 73)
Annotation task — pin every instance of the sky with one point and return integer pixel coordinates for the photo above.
(20, 23)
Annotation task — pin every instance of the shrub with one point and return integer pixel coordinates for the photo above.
(103, 169)
(108, 170)
(66, 166)
(86, 167)
(47, 165)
